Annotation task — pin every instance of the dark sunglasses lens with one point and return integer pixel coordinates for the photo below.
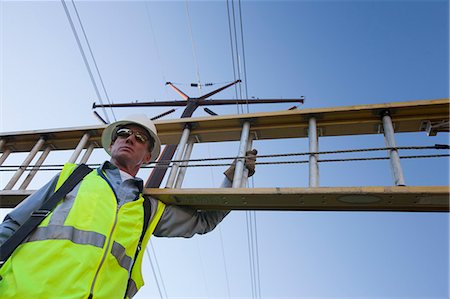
(124, 132)
(139, 137)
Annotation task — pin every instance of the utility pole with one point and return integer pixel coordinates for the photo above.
(157, 175)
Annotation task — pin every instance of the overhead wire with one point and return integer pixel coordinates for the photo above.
(158, 55)
(250, 245)
(194, 50)
(199, 82)
(161, 287)
(232, 54)
(258, 281)
(236, 61)
(243, 56)
(236, 48)
(224, 262)
(156, 274)
(86, 63)
(252, 214)
(93, 59)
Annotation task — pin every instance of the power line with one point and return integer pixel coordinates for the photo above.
(72, 26)
(93, 58)
(258, 286)
(243, 55)
(224, 262)
(193, 46)
(158, 269)
(160, 291)
(250, 253)
(232, 52)
(237, 51)
(158, 56)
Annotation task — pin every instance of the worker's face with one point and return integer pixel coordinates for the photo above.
(131, 148)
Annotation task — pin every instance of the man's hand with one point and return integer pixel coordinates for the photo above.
(250, 159)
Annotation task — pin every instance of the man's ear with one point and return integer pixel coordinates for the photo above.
(148, 157)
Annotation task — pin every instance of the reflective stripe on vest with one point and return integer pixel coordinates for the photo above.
(85, 239)
(118, 251)
(57, 232)
(132, 289)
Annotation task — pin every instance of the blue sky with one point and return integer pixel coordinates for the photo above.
(335, 53)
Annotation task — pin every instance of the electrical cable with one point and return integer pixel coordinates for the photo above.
(257, 272)
(158, 269)
(236, 46)
(258, 280)
(154, 273)
(158, 56)
(193, 46)
(243, 56)
(72, 26)
(224, 262)
(93, 59)
(250, 253)
(232, 54)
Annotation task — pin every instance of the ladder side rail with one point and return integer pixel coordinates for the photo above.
(239, 168)
(389, 138)
(35, 169)
(79, 148)
(6, 152)
(186, 157)
(87, 154)
(5, 155)
(313, 148)
(180, 149)
(25, 163)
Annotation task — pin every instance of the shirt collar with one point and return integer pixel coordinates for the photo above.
(107, 165)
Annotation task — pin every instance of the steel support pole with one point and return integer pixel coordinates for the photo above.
(239, 169)
(313, 148)
(33, 172)
(79, 147)
(245, 172)
(25, 163)
(173, 172)
(389, 139)
(182, 171)
(87, 154)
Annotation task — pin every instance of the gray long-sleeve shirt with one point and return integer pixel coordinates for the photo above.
(176, 221)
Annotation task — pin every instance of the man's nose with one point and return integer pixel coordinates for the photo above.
(131, 138)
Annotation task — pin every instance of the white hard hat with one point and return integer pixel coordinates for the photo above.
(136, 119)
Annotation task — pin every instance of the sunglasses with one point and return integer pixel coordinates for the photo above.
(125, 133)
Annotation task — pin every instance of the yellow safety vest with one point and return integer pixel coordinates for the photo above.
(83, 249)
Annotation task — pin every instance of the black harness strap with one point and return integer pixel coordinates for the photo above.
(7, 248)
(147, 214)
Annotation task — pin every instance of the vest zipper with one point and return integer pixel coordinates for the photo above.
(105, 253)
(91, 295)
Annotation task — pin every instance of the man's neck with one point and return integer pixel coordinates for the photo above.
(131, 172)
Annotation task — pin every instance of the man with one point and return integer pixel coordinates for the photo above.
(91, 245)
